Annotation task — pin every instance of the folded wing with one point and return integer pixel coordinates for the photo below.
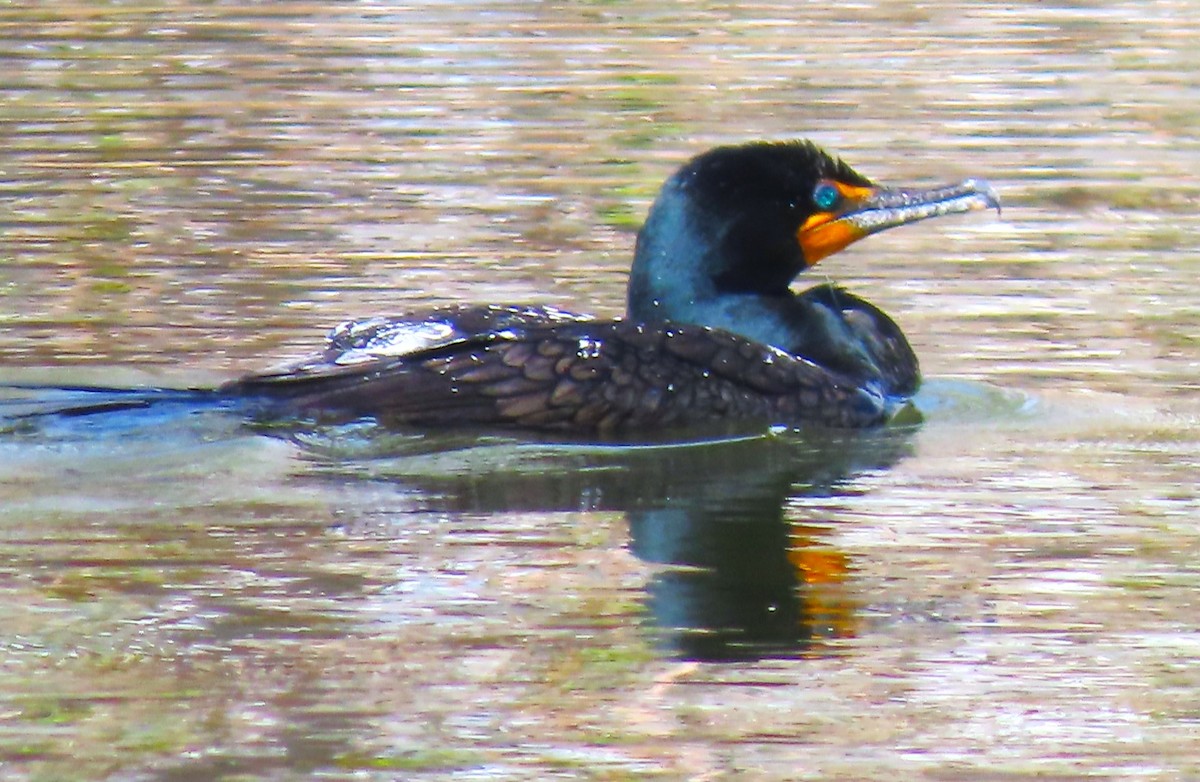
(539, 368)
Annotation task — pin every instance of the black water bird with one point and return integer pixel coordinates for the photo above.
(713, 332)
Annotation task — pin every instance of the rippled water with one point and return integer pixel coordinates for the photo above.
(1007, 591)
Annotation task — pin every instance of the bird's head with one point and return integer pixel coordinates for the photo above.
(749, 218)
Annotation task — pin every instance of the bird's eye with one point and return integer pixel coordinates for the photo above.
(826, 196)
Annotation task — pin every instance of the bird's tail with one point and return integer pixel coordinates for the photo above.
(27, 401)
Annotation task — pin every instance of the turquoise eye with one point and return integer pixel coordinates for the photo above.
(826, 196)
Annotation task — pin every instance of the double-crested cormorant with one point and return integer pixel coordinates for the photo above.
(712, 331)
(712, 334)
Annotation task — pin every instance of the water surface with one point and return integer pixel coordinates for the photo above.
(1007, 591)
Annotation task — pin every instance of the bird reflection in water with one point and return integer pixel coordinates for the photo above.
(742, 577)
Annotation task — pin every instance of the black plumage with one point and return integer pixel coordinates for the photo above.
(530, 368)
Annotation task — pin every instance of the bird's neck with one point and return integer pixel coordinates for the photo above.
(692, 262)
(680, 274)
(672, 274)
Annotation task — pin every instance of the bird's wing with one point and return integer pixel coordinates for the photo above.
(566, 374)
(884, 346)
(369, 345)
